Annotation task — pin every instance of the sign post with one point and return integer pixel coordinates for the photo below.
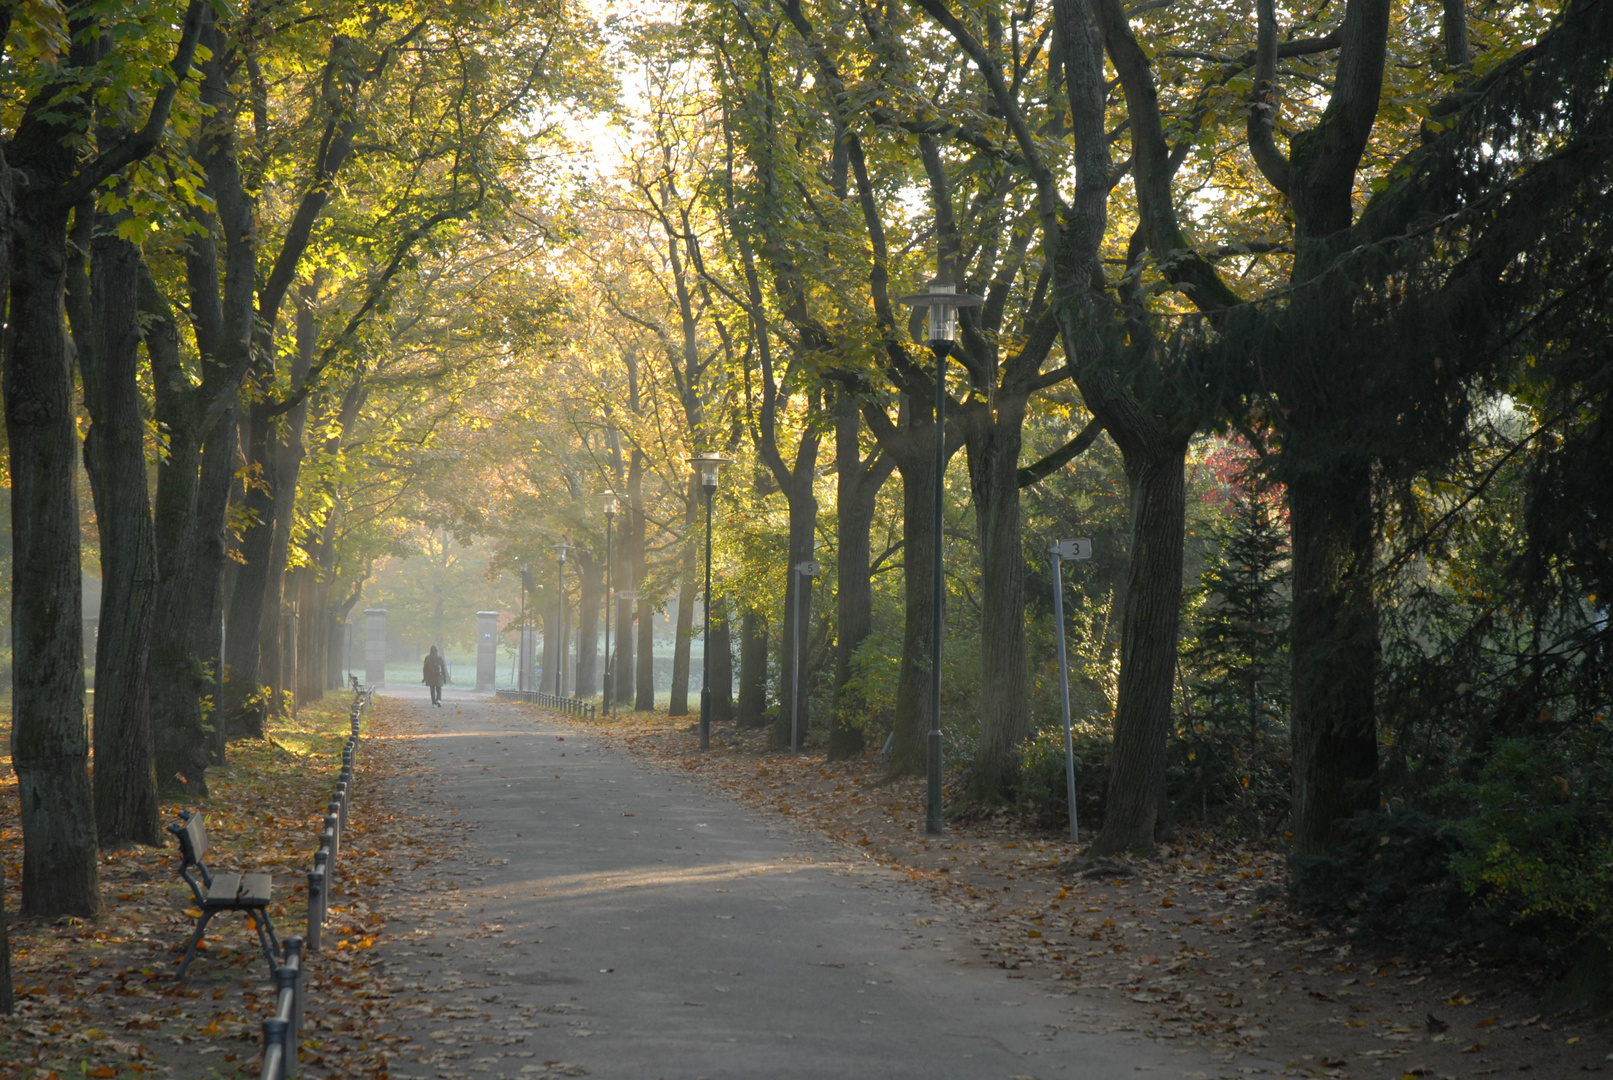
(1061, 550)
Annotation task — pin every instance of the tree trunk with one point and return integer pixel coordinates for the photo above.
(622, 663)
(7, 1002)
(1135, 811)
(630, 636)
(644, 673)
(1003, 706)
(857, 489)
(554, 640)
(1334, 642)
(278, 653)
(752, 705)
(178, 683)
(1457, 52)
(341, 634)
(195, 478)
(312, 591)
(719, 640)
(126, 809)
(316, 651)
(336, 658)
(683, 640)
(751, 708)
(590, 595)
(544, 616)
(912, 448)
(334, 621)
(245, 692)
(629, 655)
(50, 744)
(797, 614)
(187, 646)
(274, 648)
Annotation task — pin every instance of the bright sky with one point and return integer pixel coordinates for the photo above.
(616, 17)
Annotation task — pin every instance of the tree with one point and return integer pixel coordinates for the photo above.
(1238, 661)
(50, 747)
(790, 406)
(857, 484)
(1327, 369)
(444, 149)
(1123, 373)
(1241, 648)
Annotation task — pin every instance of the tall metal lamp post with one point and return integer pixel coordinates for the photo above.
(940, 303)
(607, 500)
(706, 466)
(560, 638)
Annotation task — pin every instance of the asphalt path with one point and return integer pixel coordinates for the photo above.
(614, 919)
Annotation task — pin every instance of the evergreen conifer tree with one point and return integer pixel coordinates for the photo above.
(1238, 666)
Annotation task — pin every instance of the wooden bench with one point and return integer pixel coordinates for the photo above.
(221, 892)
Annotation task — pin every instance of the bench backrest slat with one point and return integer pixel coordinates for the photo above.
(193, 838)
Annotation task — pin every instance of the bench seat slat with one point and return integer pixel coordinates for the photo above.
(240, 891)
(223, 889)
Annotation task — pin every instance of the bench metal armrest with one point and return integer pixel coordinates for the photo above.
(195, 887)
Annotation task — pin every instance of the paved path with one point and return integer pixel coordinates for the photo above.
(619, 919)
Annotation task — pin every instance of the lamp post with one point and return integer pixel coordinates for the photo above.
(560, 637)
(706, 467)
(940, 303)
(607, 499)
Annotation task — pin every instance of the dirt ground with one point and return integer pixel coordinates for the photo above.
(1197, 942)
(97, 998)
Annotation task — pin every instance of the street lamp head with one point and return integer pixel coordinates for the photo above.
(561, 549)
(610, 502)
(706, 466)
(940, 304)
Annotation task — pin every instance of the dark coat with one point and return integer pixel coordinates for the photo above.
(436, 670)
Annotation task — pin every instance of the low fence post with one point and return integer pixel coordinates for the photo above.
(327, 846)
(333, 826)
(290, 979)
(274, 1048)
(316, 900)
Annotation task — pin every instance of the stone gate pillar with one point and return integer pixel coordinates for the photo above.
(486, 649)
(375, 646)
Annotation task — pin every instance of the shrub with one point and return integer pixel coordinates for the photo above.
(1042, 795)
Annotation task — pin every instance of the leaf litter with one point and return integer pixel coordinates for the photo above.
(97, 998)
(1192, 948)
(1195, 947)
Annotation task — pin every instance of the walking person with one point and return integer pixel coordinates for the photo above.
(436, 673)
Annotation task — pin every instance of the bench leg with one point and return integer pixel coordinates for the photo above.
(267, 938)
(190, 946)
